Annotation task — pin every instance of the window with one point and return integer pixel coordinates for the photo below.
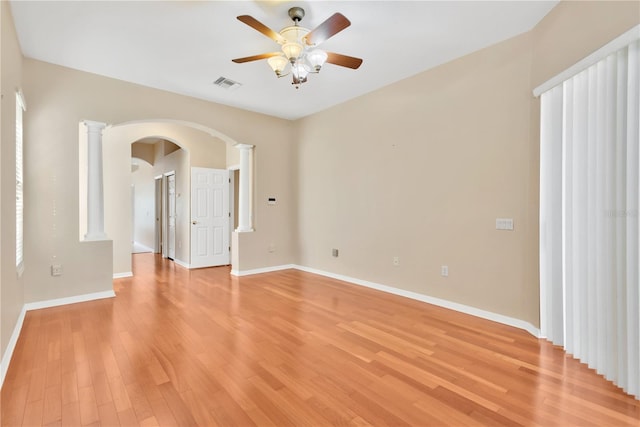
(20, 107)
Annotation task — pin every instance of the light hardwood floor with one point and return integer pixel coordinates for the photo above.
(180, 347)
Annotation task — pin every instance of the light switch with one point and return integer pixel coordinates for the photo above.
(504, 224)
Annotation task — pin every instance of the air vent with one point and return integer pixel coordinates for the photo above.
(227, 84)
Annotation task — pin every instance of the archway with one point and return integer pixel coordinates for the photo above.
(206, 148)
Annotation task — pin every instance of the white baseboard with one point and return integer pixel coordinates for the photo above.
(182, 263)
(495, 317)
(262, 270)
(6, 358)
(122, 275)
(69, 300)
(499, 318)
(141, 248)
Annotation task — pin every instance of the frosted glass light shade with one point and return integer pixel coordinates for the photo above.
(277, 64)
(300, 71)
(292, 50)
(317, 58)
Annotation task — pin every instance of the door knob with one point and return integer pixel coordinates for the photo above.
(194, 222)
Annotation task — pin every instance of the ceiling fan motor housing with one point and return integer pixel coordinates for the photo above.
(294, 33)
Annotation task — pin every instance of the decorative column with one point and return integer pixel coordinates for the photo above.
(95, 196)
(244, 196)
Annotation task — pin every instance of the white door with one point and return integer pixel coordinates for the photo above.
(171, 215)
(209, 217)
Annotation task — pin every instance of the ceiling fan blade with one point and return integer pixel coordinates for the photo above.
(255, 57)
(343, 60)
(259, 26)
(332, 26)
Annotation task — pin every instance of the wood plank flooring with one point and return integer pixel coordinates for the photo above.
(199, 347)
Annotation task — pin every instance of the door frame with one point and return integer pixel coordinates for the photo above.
(157, 247)
(232, 200)
(165, 214)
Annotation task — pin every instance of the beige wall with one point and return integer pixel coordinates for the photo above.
(59, 98)
(11, 287)
(233, 157)
(143, 183)
(464, 136)
(574, 29)
(420, 170)
(143, 151)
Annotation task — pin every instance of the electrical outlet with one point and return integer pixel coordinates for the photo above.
(334, 253)
(444, 271)
(396, 261)
(56, 269)
(272, 248)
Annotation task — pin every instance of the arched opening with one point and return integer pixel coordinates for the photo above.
(201, 148)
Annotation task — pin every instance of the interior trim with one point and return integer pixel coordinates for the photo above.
(6, 357)
(462, 308)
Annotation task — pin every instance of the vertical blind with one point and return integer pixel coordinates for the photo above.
(19, 186)
(589, 216)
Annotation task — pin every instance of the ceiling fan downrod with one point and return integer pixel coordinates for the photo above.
(296, 14)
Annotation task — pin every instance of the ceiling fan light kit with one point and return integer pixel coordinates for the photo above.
(298, 45)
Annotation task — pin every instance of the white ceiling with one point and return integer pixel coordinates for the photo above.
(183, 46)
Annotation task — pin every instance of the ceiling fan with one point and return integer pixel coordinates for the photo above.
(298, 46)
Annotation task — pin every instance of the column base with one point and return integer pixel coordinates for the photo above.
(243, 229)
(95, 236)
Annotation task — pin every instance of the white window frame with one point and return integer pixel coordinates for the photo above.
(20, 108)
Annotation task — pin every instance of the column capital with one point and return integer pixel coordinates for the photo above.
(94, 126)
(244, 146)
